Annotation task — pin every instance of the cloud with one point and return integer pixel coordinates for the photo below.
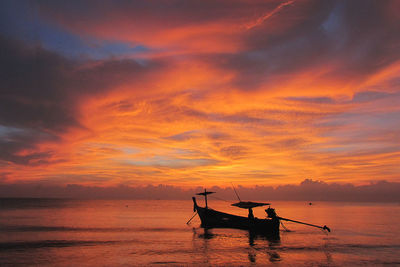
(41, 94)
(312, 100)
(367, 96)
(40, 89)
(30, 93)
(144, 92)
(305, 51)
(183, 136)
(288, 143)
(234, 152)
(17, 145)
(307, 190)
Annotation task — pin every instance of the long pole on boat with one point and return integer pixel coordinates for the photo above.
(205, 196)
(237, 195)
(191, 218)
(309, 224)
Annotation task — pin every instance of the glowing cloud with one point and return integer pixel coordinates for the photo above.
(199, 93)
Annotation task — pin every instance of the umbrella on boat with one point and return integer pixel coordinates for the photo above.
(248, 204)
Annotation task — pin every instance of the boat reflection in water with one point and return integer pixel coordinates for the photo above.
(273, 244)
(269, 246)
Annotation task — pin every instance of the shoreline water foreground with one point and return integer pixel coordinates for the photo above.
(60, 232)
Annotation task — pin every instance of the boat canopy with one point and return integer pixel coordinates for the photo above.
(249, 204)
(205, 193)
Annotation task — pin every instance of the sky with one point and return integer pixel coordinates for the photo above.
(199, 93)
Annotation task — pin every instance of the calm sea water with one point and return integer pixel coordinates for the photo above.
(54, 232)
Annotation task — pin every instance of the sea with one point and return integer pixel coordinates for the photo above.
(68, 232)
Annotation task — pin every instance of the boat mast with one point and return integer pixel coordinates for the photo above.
(205, 197)
(205, 193)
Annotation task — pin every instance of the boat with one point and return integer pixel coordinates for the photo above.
(268, 227)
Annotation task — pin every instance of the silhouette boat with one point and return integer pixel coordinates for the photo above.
(268, 227)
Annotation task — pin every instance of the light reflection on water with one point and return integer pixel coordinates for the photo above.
(153, 232)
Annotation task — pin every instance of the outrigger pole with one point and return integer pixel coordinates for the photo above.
(192, 217)
(289, 220)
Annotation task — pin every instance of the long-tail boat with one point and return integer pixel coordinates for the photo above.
(269, 226)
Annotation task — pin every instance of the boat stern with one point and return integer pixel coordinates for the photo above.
(194, 204)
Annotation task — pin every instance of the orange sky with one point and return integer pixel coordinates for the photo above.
(200, 93)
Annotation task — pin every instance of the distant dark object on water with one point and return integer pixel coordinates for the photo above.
(269, 226)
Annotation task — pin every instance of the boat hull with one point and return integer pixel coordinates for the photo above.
(215, 219)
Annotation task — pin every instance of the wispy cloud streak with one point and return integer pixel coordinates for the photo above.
(268, 15)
